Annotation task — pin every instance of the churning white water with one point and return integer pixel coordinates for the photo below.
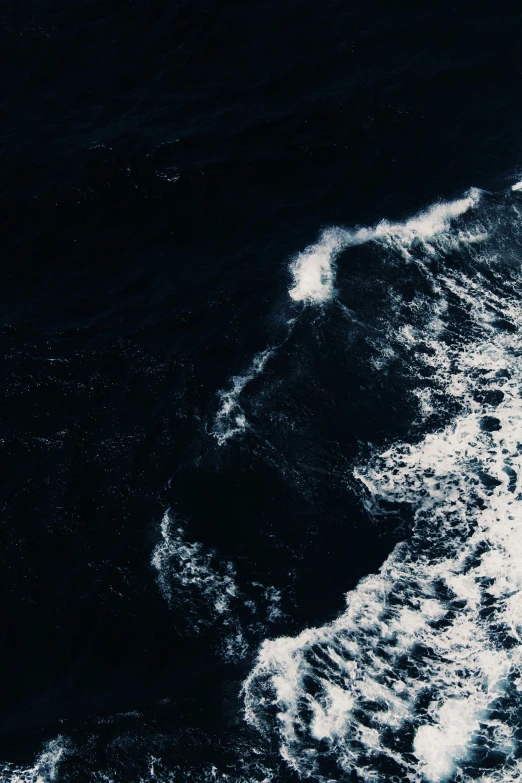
(420, 678)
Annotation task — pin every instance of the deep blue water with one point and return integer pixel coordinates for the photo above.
(161, 164)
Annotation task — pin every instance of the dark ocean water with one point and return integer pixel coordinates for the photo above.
(225, 402)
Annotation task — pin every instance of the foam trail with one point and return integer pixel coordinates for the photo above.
(190, 569)
(203, 588)
(45, 768)
(420, 679)
(230, 419)
(313, 269)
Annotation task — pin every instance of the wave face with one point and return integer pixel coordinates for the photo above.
(420, 678)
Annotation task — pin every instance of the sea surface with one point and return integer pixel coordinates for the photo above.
(261, 399)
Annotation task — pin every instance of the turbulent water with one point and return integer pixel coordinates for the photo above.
(261, 411)
(420, 677)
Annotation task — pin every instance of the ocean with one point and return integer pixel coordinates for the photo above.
(261, 412)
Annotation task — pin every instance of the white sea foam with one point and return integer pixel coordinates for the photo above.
(204, 589)
(230, 419)
(420, 679)
(44, 770)
(313, 272)
(160, 772)
(517, 186)
(188, 573)
(313, 269)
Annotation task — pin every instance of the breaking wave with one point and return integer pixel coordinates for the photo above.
(313, 273)
(420, 679)
(313, 269)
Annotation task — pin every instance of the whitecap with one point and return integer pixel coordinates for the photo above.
(421, 677)
(313, 269)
